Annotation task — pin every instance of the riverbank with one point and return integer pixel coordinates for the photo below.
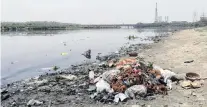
(170, 52)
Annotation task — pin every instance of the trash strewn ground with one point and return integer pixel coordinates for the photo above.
(117, 80)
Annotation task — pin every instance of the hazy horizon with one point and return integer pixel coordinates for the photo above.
(100, 11)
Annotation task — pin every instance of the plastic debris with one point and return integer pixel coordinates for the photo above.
(127, 67)
(103, 64)
(64, 53)
(91, 75)
(102, 85)
(134, 79)
(116, 52)
(125, 61)
(92, 96)
(108, 75)
(167, 74)
(169, 83)
(44, 89)
(69, 77)
(196, 84)
(38, 82)
(189, 84)
(5, 96)
(87, 54)
(120, 96)
(133, 54)
(97, 79)
(55, 68)
(33, 102)
(189, 61)
(91, 88)
(111, 63)
(4, 90)
(185, 84)
(134, 90)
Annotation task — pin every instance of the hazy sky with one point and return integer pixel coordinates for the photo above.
(99, 11)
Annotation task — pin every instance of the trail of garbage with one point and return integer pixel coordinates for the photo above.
(116, 79)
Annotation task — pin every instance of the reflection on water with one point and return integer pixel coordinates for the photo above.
(24, 54)
(34, 33)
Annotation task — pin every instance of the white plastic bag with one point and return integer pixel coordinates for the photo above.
(120, 96)
(167, 74)
(91, 75)
(102, 85)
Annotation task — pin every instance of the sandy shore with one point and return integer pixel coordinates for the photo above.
(171, 53)
(181, 46)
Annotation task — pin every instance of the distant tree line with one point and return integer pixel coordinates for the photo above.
(44, 25)
(36, 25)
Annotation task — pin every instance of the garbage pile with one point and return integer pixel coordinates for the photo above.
(130, 79)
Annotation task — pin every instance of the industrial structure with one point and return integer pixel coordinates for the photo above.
(156, 14)
(158, 19)
(203, 18)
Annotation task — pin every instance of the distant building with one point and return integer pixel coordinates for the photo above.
(203, 19)
(160, 19)
(166, 19)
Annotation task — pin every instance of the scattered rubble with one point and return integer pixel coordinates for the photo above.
(33, 102)
(4, 96)
(189, 61)
(44, 89)
(68, 77)
(133, 54)
(191, 84)
(120, 96)
(134, 90)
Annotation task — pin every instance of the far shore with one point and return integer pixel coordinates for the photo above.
(44, 25)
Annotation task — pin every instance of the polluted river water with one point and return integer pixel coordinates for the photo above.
(29, 54)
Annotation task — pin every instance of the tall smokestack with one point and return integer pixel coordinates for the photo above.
(156, 14)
